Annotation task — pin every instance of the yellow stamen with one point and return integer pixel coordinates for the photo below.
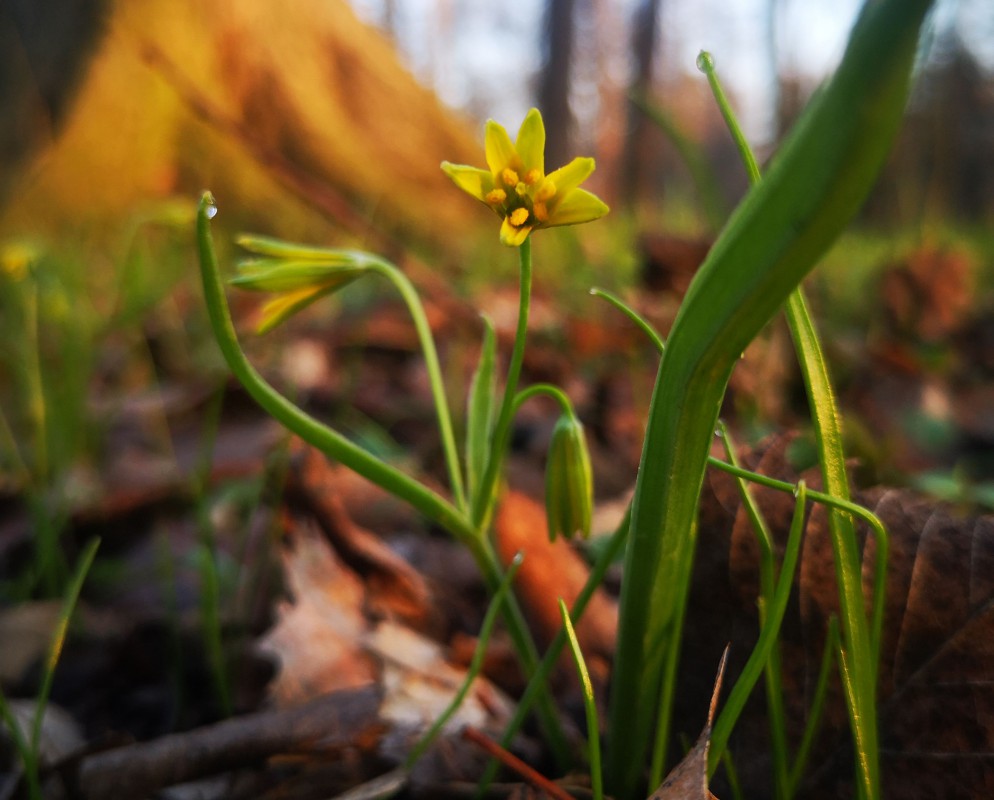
(545, 191)
(521, 189)
(509, 177)
(533, 176)
(541, 212)
(519, 217)
(496, 196)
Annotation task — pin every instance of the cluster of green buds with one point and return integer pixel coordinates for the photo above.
(568, 480)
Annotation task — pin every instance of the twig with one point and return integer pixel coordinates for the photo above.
(332, 722)
(512, 762)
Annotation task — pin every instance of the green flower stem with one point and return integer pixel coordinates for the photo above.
(820, 176)
(774, 612)
(424, 500)
(549, 390)
(416, 309)
(857, 639)
(517, 626)
(539, 678)
(767, 576)
(330, 442)
(475, 665)
(483, 503)
(832, 645)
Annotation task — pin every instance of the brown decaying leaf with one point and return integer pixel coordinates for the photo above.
(394, 588)
(318, 636)
(688, 780)
(551, 570)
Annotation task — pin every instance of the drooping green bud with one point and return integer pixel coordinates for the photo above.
(569, 480)
(297, 274)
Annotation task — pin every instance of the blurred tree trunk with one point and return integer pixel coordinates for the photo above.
(636, 152)
(559, 33)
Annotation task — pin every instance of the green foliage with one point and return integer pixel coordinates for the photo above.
(789, 220)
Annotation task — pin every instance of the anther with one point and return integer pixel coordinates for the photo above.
(519, 217)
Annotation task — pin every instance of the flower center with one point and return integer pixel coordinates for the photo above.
(521, 198)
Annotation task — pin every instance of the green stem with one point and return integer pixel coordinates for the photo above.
(589, 705)
(483, 505)
(540, 677)
(772, 673)
(475, 665)
(332, 443)
(538, 389)
(820, 176)
(857, 638)
(416, 309)
(640, 322)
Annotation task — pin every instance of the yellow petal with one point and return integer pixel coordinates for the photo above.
(472, 180)
(576, 207)
(531, 142)
(284, 306)
(572, 175)
(511, 236)
(500, 151)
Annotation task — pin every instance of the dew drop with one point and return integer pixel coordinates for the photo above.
(705, 62)
(211, 211)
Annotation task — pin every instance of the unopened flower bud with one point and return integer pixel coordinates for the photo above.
(568, 480)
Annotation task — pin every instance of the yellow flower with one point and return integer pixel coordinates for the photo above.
(516, 187)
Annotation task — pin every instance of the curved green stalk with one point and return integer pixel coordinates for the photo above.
(483, 503)
(549, 390)
(814, 186)
(773, 679)
(332, 443)
(640, 322)
(417, 312)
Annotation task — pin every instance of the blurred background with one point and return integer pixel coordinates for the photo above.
(325, 121)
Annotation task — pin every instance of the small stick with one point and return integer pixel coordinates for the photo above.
(512, 762)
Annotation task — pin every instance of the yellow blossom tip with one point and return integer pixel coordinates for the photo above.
(533, 176)
(509, 177)
(496, 196)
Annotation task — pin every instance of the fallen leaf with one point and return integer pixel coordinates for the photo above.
(317, 637)
(551, 570)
